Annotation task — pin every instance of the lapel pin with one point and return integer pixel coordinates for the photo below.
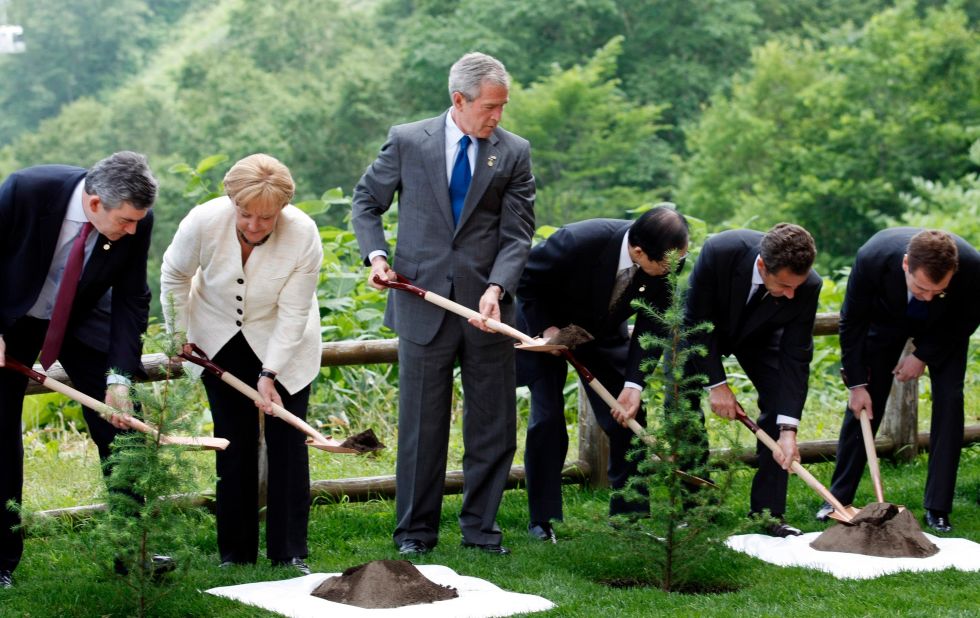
(106, 246)
(491, 160)
(643, 288)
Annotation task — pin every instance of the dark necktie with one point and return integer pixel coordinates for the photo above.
(623, 278)
(459, 184)
(754, 301)
(64, 299)
(917, 309)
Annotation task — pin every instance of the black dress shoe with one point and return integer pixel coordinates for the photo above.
(938, 521)
(413, 547)
(295, 563)
(782, 530)
(490, 548)
(6, 579)
(823, 513)
(542, 531)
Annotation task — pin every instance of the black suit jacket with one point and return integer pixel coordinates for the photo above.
(874, 308)
(33, 203)
(569, 279)
(719, 289)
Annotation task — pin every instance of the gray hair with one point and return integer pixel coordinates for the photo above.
(123, 177)
(470, 71)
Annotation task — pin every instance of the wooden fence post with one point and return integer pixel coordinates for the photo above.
(593, 445)
(901, 421)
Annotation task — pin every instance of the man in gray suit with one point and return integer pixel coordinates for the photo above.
(465, 221)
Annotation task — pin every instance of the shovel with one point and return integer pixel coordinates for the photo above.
(197, 356)
(106, 412)
(869, 448)
(531, 344)
(841, 513)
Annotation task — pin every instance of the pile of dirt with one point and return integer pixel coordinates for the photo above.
(383, 584)
(364, 442)
(879, 529)
(571, 336)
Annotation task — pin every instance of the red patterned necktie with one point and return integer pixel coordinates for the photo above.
(63, 302)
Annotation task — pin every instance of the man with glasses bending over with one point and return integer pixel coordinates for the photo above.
(918, 284)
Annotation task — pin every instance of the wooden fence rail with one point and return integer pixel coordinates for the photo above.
(897, 438)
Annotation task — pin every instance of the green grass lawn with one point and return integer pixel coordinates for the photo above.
(71, 576)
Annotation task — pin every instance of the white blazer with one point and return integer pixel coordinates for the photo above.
(272, 300)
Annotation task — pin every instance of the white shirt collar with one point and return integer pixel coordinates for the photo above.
(453, 132)
(76, 212)
(756, 275)
(625, 261)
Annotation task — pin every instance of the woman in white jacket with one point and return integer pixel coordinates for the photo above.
(241, 276)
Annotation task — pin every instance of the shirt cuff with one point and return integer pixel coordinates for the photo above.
(851, 388)
(376, 253)
(115, 378)
(633, 385)
(782, 419)
(711, 386)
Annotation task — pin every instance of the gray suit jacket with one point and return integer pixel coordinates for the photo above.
(493, 238)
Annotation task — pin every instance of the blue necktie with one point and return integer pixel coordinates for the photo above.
(459, 184)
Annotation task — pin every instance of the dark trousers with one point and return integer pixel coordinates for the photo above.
(425, 377)
(547, 435)
(761, 364)
(237, 419)
(946, 432)
(86, 367)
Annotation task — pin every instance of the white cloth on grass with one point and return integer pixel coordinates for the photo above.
(477, 598)
(796, 551)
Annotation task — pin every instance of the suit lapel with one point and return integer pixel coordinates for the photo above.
(97, 261)
(741, 282)
(434, 160)
(482, 174)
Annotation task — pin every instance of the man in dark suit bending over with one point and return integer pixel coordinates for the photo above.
(66, 236)
(760, 293)
(922, 284)
(571, 278)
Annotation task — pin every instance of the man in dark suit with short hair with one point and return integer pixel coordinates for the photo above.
(908, 282)
(571, 278)
(760, 293)
(465, 221)
(55, 220)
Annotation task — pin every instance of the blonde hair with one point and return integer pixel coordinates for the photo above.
(259, 180)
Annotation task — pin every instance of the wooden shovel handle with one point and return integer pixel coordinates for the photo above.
(869, 448)
(441, 301)
(106, 411)
(797, 469)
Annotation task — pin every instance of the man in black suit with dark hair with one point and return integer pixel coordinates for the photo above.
(907, 282)
(571, 278)
(47, 216)
(760, 293)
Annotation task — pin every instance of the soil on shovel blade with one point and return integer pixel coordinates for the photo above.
(383, 584)
(571, 336)
(880, 529)
(364, 442)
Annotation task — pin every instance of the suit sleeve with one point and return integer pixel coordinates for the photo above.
(131, 305)
(516, 224)
(373, 196)
(539, 289)
(700, 308)
(6, 229)
(661, 299)
(855, 320)
(796, 352)
(180, 263)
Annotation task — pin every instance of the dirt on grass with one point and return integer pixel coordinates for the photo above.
(364, 442)
(383, 584)
(879, 529)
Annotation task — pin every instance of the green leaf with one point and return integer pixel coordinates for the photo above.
(209, 162)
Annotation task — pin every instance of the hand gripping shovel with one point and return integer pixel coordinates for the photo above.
(197, 356)
(105, 411)
(841, 513)
(531, 344)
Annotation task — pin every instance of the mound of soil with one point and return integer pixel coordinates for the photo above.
(364, 442)
(383, 584)
(879, 529)
(571, 336)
